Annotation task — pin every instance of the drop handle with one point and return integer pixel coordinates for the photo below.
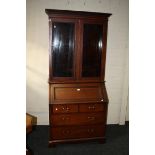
(90, 130)
(91, 107)
(91, 118)
(66, 132)
(65, 118)
(66, 109)
(78, 89)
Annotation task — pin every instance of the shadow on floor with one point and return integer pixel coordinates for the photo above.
(117, 143)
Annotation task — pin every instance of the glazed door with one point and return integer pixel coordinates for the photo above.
(62, 64)
(92, 52)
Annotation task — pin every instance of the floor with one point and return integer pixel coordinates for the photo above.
(117, 143)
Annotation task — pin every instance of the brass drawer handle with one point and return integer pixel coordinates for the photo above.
(102, 100)
(63, 108)
(91, 107)
(91, 118)
(66, 108)
(90, 130)
(65, 118)
(78, 89)
(66, 132)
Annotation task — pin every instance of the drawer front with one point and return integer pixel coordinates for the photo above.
(75, 93)
(65, 108)
(77, 119)
(78, 132)
(94, 107)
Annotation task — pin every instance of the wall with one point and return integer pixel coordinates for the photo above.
(37, 53)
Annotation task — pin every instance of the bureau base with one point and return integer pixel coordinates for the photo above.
(53, 143)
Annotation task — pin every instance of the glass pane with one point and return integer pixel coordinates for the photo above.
(63, 48)
(92, 49)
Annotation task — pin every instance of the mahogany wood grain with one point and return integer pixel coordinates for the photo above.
(78, 101)
(77, 132)
(78, 119)
(72, 93)
(76, 93)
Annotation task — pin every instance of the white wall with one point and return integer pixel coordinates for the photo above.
(37, 53)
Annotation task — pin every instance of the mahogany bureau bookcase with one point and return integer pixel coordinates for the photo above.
(78, 99)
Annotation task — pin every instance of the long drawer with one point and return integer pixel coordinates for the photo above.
(78, 119)
(78, 132)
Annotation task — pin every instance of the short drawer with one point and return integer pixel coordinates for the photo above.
(93, 107)
(65, 108)
(77, 132)
(77, 119)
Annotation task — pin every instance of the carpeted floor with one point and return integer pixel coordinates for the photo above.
(117, 143)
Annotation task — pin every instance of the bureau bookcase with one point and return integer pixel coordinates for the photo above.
(78, 98)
